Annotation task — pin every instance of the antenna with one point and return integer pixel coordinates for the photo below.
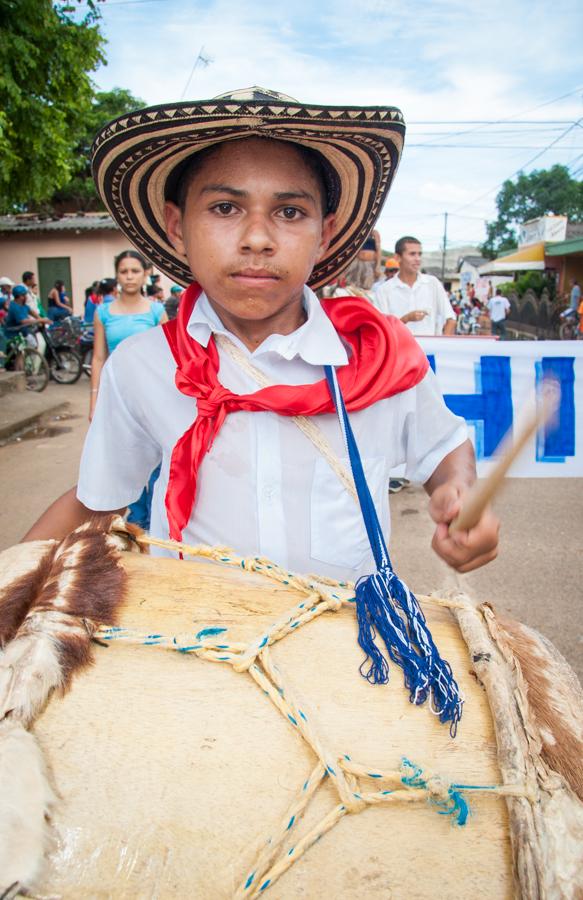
(202, 60)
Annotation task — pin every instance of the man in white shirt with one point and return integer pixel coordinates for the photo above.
(254, 218)
(498, 307)
(418, 300)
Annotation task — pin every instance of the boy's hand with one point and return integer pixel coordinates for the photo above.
(463, 550)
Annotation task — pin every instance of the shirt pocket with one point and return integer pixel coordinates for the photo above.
(337, 533)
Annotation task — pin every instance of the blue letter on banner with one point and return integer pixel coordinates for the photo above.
(490, 408)
(557, 440)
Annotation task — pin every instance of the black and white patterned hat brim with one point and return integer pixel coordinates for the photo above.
(135, 156)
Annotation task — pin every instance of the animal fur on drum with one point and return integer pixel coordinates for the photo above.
(553, 694)
(47, 620)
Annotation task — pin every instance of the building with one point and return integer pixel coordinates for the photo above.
(435, 262)
(550, 244)
(77, 248)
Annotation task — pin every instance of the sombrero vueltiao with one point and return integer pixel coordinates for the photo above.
(137, 156)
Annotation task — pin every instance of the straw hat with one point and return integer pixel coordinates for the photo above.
(137, 159)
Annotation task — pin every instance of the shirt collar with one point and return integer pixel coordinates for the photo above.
(422, 277)
(316, 341)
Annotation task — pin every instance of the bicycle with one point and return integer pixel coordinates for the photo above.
(21, 357)
(64, 362)
(569, 327)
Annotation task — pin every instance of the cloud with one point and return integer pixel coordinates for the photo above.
(436, 62)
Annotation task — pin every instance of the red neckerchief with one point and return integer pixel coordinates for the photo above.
(385, 360)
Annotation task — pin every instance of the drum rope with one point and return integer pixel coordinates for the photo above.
(352, 781)
(268, 569)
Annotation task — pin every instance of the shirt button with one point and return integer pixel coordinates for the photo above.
(268, 493)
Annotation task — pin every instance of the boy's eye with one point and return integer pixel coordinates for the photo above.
(291, 212)
(224, 208)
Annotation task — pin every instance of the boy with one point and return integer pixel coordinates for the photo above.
(253, 195)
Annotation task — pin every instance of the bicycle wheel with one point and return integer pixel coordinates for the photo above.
(36, 370)
(65, 365)
(568, 331)
(87, 360)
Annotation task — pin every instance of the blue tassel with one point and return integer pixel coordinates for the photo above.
(387, 609)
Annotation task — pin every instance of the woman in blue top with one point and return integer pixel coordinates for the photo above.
(128, 314)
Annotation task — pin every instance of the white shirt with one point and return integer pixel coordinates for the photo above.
(397, 298)
(263, 489)
(498, 307)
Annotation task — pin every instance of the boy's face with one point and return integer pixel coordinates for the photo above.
(252, 228)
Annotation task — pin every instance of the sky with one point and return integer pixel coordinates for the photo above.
(484, 94)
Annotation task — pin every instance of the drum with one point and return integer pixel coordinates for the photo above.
(223, 743)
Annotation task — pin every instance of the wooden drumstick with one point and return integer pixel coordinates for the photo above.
(482, 492)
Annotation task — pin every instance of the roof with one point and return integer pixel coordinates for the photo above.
(472, 260)
(71, 222)
(527, 259)
(564, 248)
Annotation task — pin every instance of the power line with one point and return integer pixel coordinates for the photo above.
(525, 112)
(491, 121)
(121, 3)
(487, 147)
(523, 166)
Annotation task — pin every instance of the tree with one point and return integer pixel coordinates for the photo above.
(541, 193)
(45, 95)
(79, 193)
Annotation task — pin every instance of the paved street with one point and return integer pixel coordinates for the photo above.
(537, 578)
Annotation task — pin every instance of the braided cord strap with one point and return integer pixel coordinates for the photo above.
(386, 607)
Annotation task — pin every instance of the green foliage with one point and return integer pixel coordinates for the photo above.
(507, 287)
(534, 281)
(45, 95)
(79, 193)
(541, 193)
(529, 281)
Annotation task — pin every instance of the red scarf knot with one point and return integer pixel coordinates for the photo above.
(212, 404)
(385, 360)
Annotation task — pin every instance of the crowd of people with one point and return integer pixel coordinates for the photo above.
(396, 285)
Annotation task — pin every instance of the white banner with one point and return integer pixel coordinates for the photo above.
(490, 382)
(547, 228)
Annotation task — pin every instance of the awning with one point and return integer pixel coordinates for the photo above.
(564, 248)
(528, 259)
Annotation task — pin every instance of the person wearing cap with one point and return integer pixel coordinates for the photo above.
(418, 299)
(262, 200)
(391, 268)
(172, 303)
(20, 316)
(6, 285)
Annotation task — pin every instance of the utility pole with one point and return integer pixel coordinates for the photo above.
(444, 247)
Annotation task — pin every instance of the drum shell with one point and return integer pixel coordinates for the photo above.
(172, 771)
